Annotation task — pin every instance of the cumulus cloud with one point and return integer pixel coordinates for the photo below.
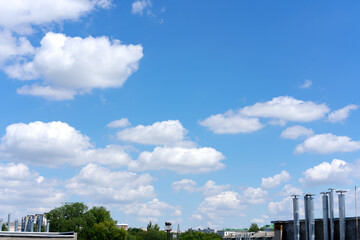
(281, 209)
(341, 114)
(287, 108)
(276, 180)
(102, 185)
(279, 110)
(179, 159)
(160, 133)
(336, 172)
(20, 15)
(11, 47)
(232, 123)
(184, 184)
(295, 132)
(22, 189)
(124, 122)
(220, 206)
(65, 66)
(210, 188)
(151, 211)
(56, 143)
(307, 83)
(139, 6)
(254, 195)
(289, 190)
(328, 143)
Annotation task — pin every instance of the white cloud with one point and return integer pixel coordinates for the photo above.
(150, 211)
(66, 66)
(11, 47)
(124, 122)
(280, 210)
(220, 206)
(307, 83)
(254, 195)
(22, 189)
(159, 133)
(279, 110)
(289, 190)
(210, 188)
(232, 123)
(276, 180)
(20, 15)
(328, 143)
(341, 114)
(287, 108)
(295, 132)
(56, 143)
(185, 184)
(102, 185)
(139, 6)
(179, 159)
(336, 172)
(258, 220)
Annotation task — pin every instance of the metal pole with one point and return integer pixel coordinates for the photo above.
(296, 217)
(16, 225)
(357, 234)
(325, 202)
(331, 203)
(8, 222)
(32, 225)
(48, 226)
(342, 223)
(311, 217)
(306, 206)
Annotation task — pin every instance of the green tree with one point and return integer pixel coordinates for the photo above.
(3, 227)
(254, 228)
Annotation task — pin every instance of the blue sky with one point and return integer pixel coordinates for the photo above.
(203, 113)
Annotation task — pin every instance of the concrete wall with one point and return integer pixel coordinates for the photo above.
(288, 229)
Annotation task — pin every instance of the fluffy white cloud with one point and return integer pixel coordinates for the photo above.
(150, 211)
(11, 47)
(279, 110)
(179, 159)
(289, 190)
(124, 122)
(160, 133)
(336, 172)
(232, 123)
(280, 210)
(220, 206)
(276, 180)
(22, 189)
(254, 195)
(341, 114)
(56, 143)
(19, 15)
(69, 66)
(328, 143)
(210, 188)
(185, 184)
(307, 83)
(296, 132)
(287, 108)
(102, 185)
(139, 6)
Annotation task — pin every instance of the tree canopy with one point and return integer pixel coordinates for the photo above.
(254, 228)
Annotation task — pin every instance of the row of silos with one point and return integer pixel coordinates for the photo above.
(27, 223)
(328, 215)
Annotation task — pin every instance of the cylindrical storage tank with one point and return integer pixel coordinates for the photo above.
(331, 211)
(296, 217)
(325, 202)
(342, 224)
(311, 217)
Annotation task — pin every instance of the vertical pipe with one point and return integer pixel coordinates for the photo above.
(342, 224)
(331, 203)
(32, 225)
(48, 226)
(325, 202)
(1, 223)
(306, 217)
(8, 222)
(357, 225)
(311, 217)
(40, 222)
(296, 217)
(16, 225)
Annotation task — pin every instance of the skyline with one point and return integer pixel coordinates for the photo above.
(203, 114)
